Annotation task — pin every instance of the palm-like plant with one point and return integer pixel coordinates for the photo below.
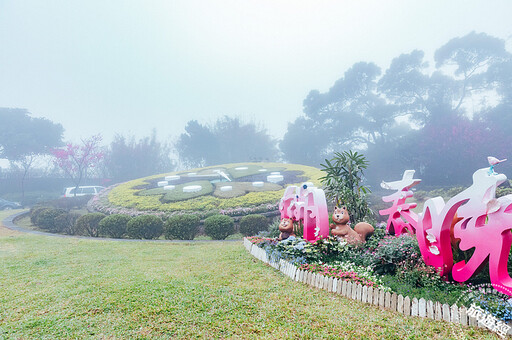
(342, 183)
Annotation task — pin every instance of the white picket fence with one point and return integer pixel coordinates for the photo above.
(370, 295)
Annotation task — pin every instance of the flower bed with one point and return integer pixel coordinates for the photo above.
(345, 272)
(389, 263)
(143, 196)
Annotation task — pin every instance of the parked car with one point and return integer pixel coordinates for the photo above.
(8, 205)
(82, 191)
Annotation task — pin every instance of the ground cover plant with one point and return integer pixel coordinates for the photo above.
(75, 288)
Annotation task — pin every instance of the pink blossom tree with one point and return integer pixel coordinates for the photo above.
(76, 159)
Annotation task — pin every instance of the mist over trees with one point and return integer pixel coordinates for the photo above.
(228, 140)
(442, 119)
(442, 123)
(24, 139)
(127, 158)
(22, 135)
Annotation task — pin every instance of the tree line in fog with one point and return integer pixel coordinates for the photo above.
(442, 120)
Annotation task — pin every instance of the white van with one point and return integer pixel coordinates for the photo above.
(82, 191)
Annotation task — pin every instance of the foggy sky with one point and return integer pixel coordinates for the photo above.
(129, 66)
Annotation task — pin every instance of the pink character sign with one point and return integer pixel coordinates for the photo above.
(472, 219)
(485, 225)
(308, 204)
(401, 218)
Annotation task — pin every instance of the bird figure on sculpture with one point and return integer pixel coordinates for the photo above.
(407, 182)
(492, 162)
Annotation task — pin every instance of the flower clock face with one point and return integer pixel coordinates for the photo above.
(221, 182)
(227, 188)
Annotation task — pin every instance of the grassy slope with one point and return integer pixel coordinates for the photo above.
(54, 288)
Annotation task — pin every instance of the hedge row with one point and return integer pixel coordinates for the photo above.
(183, 227)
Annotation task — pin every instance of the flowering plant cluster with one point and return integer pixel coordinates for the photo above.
(416, 273)
(348, 272)
(393, 250)
(498, 304)
(309, 256)
(297, 250)
(260, 240)
(262, 208)
(389, 255)
(101, 204)
(293, 249)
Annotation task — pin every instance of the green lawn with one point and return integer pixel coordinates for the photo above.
(68, 288)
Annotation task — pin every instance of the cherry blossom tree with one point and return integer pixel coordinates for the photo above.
(76, 159)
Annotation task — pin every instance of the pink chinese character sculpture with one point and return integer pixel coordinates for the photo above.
(433, 232)
(481, 222)
(485, 225)
(308, 204)
(472, 219)
(401, 218)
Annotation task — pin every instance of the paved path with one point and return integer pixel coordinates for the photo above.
(8, 222)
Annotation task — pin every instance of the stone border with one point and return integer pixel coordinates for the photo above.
(374, 296)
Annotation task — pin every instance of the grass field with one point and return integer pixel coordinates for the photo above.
(68, 288)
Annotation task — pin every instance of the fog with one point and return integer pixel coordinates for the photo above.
(130, 66)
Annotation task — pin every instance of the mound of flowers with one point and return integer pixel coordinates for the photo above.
(230, 189)
(319, 257)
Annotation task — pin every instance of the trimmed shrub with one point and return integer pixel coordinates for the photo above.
(145, 226)
(46, 219)
(88, 224)
(35, 212)
(182, 227)
(114, 225)
(66, 222)
(252, 224)
(218, 227)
